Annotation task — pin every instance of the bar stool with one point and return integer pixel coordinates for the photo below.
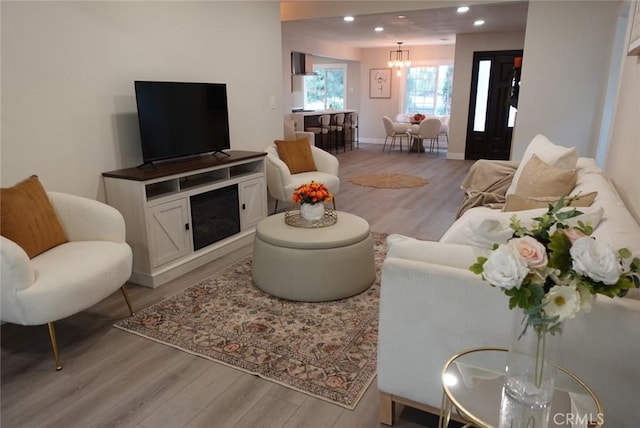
(337, 129)
(323, 131)
(351, 129)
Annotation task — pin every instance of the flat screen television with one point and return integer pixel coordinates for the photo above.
(180, 119)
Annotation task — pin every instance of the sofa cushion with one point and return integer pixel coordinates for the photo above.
(521, 203)
(28, 217)
(452, 255)
(537, 178)
(296, 154)
(289, 130)
(553, 155)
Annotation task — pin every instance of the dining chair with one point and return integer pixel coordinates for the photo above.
(444, 127)
(429, 129)
(395, 131)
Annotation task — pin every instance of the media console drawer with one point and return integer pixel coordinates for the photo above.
(181, 215)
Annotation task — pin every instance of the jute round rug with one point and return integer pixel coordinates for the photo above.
(388, 181)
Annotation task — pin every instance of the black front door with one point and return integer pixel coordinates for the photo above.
(491, 117)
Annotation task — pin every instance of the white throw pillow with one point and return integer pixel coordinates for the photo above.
(493, 227)
(553, 155)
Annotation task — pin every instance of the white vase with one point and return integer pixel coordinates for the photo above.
(530, 376)
(312, 212)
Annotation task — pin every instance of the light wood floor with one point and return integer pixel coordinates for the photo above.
(112, 378)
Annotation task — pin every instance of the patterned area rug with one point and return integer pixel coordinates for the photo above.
(327, 350)
(388, 181)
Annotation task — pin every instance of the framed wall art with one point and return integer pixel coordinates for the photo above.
(380, 83)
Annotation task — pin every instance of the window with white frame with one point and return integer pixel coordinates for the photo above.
(327, 89)
(428, 90)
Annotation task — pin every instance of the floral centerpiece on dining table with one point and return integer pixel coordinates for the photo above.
(552, 271)
(312, 197)
(418, 117)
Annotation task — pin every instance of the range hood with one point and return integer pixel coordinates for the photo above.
(301, 64)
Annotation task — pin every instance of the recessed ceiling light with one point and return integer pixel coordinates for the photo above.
(348, 18)
(378, 29)
(478, 23)
(463, 9)
(402, 16)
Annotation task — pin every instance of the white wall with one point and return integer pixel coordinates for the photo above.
(466, 45)
(372, 109)
(567, 56)
(624, 148)
(320, 50)
(359, 61)
(68, 68)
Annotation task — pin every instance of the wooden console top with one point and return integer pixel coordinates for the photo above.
(171, 167)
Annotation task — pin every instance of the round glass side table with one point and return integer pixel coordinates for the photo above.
(472, 383)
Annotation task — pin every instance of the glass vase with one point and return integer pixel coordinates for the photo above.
(530, 375)
(312, 212)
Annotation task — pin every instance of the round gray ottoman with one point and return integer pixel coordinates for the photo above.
(313, 264)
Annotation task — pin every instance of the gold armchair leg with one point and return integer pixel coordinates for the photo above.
(125, 293)
(54, 345)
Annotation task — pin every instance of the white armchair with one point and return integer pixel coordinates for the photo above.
(281, 183)
(71, 277)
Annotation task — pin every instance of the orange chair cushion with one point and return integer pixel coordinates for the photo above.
(296, 154)
(28, 217)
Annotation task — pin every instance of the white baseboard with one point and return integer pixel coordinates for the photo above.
(380, 141)
(455, 156)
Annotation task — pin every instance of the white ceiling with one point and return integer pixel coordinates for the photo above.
(419, 27)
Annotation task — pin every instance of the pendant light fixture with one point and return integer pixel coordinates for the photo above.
(397, 59)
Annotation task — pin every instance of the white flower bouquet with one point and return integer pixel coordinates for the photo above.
(553, 271)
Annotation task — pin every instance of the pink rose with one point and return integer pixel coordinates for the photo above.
(573, 234)
(531, 250)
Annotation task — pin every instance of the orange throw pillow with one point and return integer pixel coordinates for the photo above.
(28, 217)
(296, 154)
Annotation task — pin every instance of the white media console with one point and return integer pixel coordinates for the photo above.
(182, 214)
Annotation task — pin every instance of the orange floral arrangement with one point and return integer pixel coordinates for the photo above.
(419, 117)
(312, 193)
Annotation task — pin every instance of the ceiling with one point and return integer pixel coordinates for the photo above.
(418, 27)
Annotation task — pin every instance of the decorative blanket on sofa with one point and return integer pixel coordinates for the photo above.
(486, 184)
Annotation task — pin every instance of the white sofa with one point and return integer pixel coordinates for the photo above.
(432, 307)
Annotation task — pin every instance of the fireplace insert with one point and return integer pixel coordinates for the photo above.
(215, 215)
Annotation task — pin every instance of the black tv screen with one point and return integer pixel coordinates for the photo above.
(181, 118)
